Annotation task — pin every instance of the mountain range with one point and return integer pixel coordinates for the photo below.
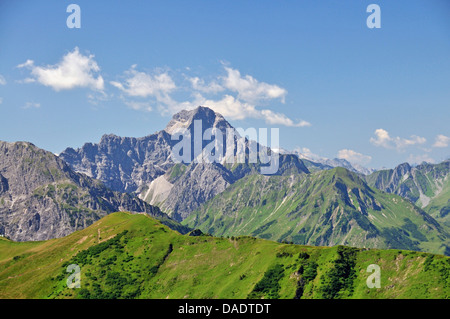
(320, 163)
(329, 202)
(142, 225)
(327, 208)
(145, 166)
(426, 185)
(41, 197)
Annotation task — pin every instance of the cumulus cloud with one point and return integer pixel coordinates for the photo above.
(199, 84)
(74, 70)
(249, 89)
(243, 95)
(279, 118)
(235, 109)
(2, 80)
(383, 139)
(230, 107)
(239, 96)
(354, 157)
(141, 84)
(144, 85)
(441, 141)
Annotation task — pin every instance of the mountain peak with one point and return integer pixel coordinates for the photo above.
(402, 168)
(185, 119)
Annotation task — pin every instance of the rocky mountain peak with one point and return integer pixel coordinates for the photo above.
(185, 119)
(108, 138)
(402, 169)
(137, 165)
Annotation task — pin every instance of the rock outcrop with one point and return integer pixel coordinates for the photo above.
(41, 197)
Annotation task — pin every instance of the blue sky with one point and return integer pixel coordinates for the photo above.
(334, 87)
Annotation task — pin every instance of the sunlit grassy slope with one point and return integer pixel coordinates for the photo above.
(135, 256)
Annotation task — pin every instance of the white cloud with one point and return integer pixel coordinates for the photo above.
(230, 107)
(238, 100)
(404, 142)
(145, 85)
(279, 118)
(235, 109)
(441, 141)
(141, 84)
(243, 105)
(1, 100)
(199, 85)
(31, 105)
(28, 63)
(74, 70)
(354, 157)
(251, 90)
(2, 80)
(383, 139)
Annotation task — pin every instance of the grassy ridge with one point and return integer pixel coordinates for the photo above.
(135, 256)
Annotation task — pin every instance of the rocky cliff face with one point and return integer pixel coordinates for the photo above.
(123, 163)
(41, 197)
(3, 184)
(419, 184)
(199, 183)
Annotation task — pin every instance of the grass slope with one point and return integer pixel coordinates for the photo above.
(135, 256)
(333, 207)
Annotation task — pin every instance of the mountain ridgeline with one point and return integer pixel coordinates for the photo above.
(145, 166)
(327, 208)
(305, 202)
(426, 185)
(41, 197)
(44, 196)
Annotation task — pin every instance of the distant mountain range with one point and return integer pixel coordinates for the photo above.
(321, 163)
(426, 185)
(314, 202)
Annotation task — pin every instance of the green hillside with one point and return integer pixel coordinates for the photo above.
(334, 207)
(135, 256)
